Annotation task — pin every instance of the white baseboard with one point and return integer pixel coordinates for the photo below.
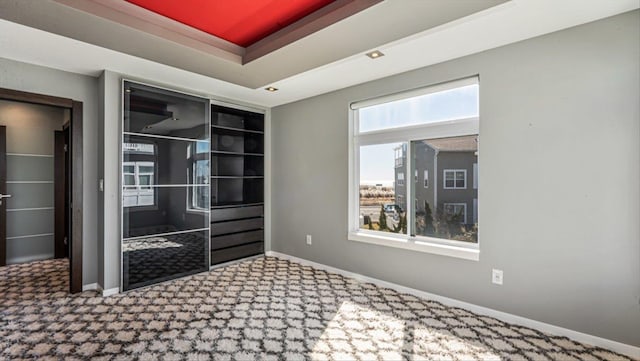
(619, 347)
(90, 287)
(110, 292)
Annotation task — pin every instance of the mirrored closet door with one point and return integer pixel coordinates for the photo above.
(165, 185)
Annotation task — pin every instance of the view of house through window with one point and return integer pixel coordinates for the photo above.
(442, 211)
(440, 150)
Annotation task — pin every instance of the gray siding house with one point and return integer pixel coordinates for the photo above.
(445, 174)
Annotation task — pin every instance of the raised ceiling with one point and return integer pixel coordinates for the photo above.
(242, 22)
(121, 26)
(47, 33)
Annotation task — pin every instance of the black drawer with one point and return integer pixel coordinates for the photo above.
(236, 239)
(233, 253)
(223, 214)
(237, 226)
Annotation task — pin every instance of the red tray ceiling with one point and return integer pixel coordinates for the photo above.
(242, 22)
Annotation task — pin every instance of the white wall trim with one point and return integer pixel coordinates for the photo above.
(619, 347)
(110, 292)
(90, 287)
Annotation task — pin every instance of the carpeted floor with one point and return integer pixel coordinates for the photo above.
(262, 309)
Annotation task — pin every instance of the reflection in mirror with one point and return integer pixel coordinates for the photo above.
(154, 111)
(174, 160)
(169, 213)
(138, 175)
(165, 185)
(158, 258)
(198, 173)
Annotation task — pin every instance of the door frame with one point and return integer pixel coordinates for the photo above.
(60, 193)
(75, 107)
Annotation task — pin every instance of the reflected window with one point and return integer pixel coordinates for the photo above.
(198, 174)
(164, 159)
(138, 176)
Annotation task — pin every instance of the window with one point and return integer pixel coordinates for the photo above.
(455, 178)
(139, 175)
(456, 212)
(434, 128)
(198, 174)
(399, 155)
(138, 179)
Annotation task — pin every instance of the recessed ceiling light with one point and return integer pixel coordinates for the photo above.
(375, 54)
(271, 89)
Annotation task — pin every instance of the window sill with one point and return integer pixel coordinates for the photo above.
(409, 243)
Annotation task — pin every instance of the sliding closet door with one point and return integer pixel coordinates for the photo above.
(165, 185)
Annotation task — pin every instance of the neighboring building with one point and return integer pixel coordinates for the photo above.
(445, 175)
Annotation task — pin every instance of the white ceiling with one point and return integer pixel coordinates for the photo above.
(504, 24)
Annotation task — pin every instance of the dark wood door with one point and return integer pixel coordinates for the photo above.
(3, 192)
(60, 227)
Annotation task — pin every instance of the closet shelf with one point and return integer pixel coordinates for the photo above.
(222, 152)
(239, 130)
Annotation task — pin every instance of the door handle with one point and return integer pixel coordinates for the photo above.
(3, 196)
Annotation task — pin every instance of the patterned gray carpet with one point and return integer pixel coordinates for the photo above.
(262, 309)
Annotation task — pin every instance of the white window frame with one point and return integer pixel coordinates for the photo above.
(138, 189)
(454, 171)
(425, 181)
(400, 179)
(464, 205)
(434, 130)
(191, 196)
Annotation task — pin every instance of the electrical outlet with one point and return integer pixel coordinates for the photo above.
(496, 276)
(309, 239)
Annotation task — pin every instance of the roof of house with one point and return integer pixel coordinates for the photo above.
(468, 143)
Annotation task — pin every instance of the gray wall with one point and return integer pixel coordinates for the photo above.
(37, 79)
(559, 175)
(109, 238)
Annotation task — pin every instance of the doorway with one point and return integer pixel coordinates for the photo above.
(41, 180)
